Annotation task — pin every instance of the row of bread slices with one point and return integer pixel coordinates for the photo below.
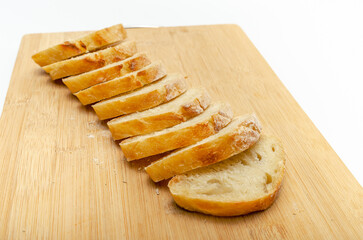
(157, 113)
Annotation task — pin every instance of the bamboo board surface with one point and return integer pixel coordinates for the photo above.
(62, 176)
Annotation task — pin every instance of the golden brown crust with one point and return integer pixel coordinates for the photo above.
(122, 84)
(144, 125)
(88, 43)
(156, 144)
(225, 208)
(115, 107)
(221, 119)
(158, 121)
(195, 107)
(88, 79)
(91, 61)
(214, 149)
(191, 109)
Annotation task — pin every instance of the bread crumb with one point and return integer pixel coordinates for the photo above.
(157, 191)
(139, 169)
(105, 133)
(90, 136)
(124, 181)
(97, 162)
(94, 125)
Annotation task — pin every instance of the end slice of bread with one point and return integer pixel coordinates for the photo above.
(184, 107)
(239, 135)
(120, 85)
(88, 43)
(244, 183)
(91, 61)
(147, 97)
(106, 73)
(216, 117)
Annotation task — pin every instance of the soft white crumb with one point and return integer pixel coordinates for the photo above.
(157, 191)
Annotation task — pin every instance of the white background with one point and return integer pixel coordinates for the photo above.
(314, 46)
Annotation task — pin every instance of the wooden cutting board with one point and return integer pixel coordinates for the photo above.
(62, 176)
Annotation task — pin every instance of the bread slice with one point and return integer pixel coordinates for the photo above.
(106, 73)
(87, 43)
(179, 110)
(212, 120)
(239, 135)
(91, 61)
(147, 97)
(120, 85)
(244, 183)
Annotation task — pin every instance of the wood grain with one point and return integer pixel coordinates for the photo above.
(62, 176)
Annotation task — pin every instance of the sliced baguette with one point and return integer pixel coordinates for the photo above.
(120, 85)
(179, 110)
(87, 43)
(106, 73)
(212, 120)
(91, 61)
(147, 97)
(239, 135)
(244, 183)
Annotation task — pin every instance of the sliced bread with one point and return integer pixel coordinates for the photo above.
(91, 61)
(106, 73)
(239, 135)
(244, 183)
(184, 107)
(120, 85)
(147, 97)
(87, 43)
(212, 120)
